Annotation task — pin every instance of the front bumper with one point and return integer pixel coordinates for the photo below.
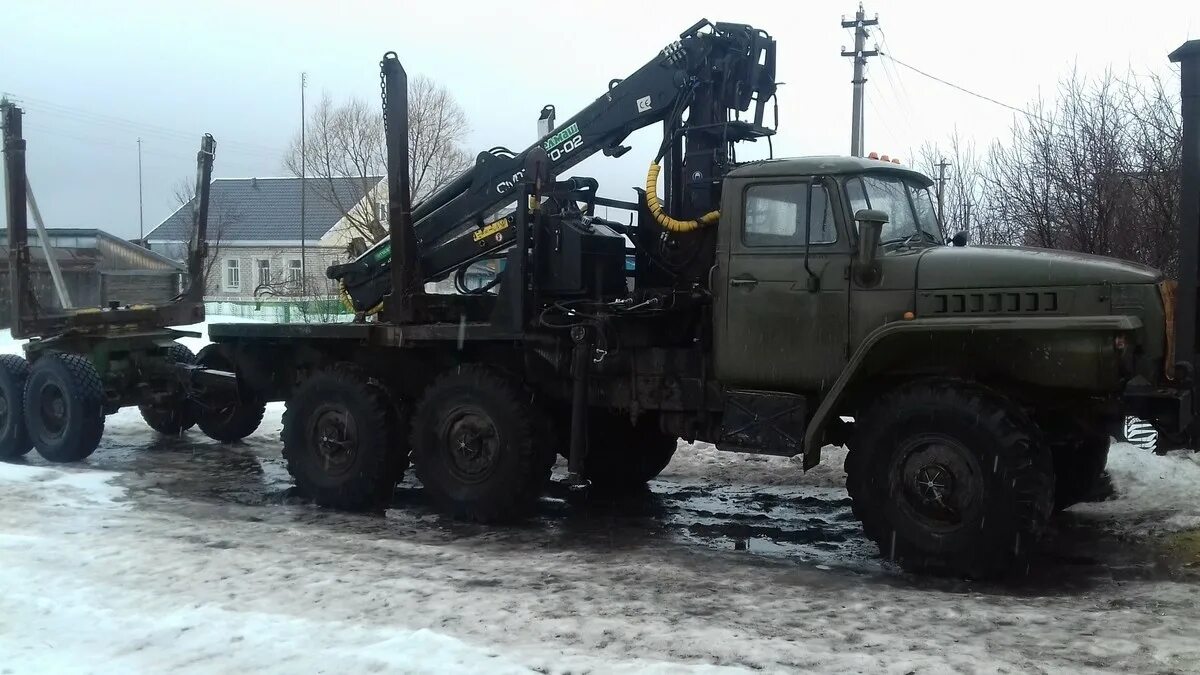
(1169, 409)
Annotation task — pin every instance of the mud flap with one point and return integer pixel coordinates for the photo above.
(764, 422)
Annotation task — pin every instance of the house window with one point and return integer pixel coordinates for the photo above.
(264, 272)
(294, 271)
(233, 274)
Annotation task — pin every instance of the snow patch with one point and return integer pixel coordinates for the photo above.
(1155, 493)
(84, 487)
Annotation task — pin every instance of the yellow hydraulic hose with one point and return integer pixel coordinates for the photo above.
(661, 217)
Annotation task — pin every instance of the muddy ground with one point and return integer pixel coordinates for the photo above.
(727, 560)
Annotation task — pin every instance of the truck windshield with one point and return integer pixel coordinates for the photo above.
(911, 217)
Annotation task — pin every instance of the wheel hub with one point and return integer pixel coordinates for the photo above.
(334, 438)
(934, 484)
(939, 481)
(472, 443)
(53, 409)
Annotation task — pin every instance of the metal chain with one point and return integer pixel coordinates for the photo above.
(383, 95)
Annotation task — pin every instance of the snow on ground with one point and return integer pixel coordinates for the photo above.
(180, 554)
(1154, 494)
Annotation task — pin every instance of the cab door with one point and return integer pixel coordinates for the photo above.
(784, 310)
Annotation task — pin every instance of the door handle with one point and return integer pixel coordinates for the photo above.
(748, 281)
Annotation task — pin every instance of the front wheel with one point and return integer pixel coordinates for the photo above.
(949, 476)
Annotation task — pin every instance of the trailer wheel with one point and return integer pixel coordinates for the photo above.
(1079, 463)
(228, 421)
(476, 448)
(948, 476)
(14, 439)
(623, 456)
(177, 414)
(339, 440)
(64, 407)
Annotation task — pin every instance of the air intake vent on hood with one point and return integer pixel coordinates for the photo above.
(992, 302)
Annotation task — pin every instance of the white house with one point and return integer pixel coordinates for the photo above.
(261, 249)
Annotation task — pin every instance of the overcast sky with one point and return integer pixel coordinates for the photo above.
(95, 76)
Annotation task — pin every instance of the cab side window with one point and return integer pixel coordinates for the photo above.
(777, 214)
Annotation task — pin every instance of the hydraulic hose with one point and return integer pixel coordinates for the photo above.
(660, 216)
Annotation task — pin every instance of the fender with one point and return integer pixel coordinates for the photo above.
(816, 426)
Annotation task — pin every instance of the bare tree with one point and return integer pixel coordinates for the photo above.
(1097, 172)
(347, 141)
(965, 198)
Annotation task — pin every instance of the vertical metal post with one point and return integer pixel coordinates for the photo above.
(15, 198)
(860, 54)
(1188, 58)
(198, 249)
(941, 193)
(580, 365)
(303, 190)
(141, 216)
(406, 277)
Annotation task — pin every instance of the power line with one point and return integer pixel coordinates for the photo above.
(961, 88)
(112, 121)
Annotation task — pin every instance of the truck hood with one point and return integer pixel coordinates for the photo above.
(1006, 267)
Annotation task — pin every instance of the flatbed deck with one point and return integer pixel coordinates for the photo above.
(373, 333)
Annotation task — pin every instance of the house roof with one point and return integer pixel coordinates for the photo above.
(95, 244)
(268, 209)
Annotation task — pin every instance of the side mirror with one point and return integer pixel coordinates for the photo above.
(870, 227)
(960, 238)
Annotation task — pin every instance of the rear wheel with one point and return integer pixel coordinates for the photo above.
(339, 440)
(64, 411)
(230, 420)
(14, 439)
(475, 446)
(175, 414)
(623, 456)
(948, 476)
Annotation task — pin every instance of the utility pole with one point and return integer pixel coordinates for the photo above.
(303, 189)
(860, 56)
(141, 222)
(941, 191)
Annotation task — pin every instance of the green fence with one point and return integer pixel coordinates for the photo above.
(309, 310)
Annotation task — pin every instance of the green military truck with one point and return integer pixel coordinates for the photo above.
(773, 306)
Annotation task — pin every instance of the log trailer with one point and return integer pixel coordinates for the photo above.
(773, 306)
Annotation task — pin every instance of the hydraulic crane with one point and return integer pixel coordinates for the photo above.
(713, 73)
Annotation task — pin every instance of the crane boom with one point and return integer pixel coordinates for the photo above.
(713, 72)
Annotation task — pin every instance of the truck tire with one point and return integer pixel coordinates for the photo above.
(950, 477)
(339, 440)
(14, 439)
(64, 407)
(178, 414)
(230, 421)
(476, 448)
(623, 456)
(1079, 463)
